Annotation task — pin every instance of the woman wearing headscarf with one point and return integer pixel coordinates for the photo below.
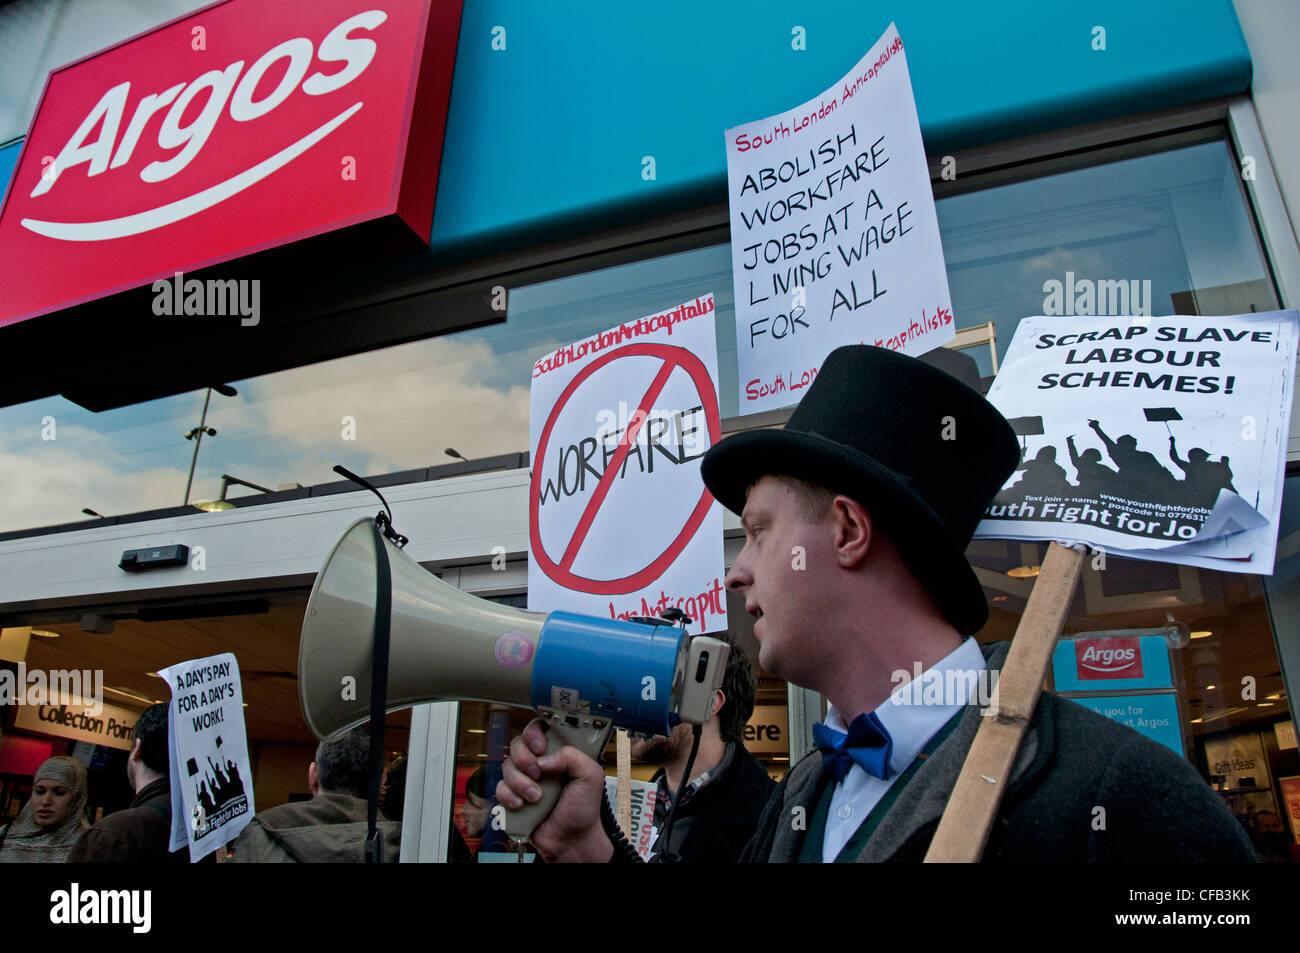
(52, 818)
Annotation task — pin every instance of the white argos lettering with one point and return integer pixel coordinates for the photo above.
(195, 135)
(221, 87)
(109, 109)
(298, 50)
(1115, 658)
(337, 45)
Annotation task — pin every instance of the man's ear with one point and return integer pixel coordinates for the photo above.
(719, 699)
(313, 780)
(853, 531)
(136, 747)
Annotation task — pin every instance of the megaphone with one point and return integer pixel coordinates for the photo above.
(584, 675)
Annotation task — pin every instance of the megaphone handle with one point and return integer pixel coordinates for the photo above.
(587, 738)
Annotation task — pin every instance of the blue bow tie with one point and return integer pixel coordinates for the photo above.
(867, 742)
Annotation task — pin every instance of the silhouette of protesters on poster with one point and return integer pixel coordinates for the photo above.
(205, 798)
(1094, 476)
(1139, 471)
(1043, 475)
(1045, 491)
(219, 787)
(1203, 478)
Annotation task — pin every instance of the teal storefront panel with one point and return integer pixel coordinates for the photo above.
(8, 160)
(1155, 716)
(547, 136)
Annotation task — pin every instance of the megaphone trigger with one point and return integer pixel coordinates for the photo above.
(588, 735)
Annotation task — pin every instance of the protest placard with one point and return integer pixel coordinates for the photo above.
(641, 833)
(834, 237)
(211, 779)
(1158, 438)
(620, 524)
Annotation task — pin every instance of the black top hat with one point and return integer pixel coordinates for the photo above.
(921, 450)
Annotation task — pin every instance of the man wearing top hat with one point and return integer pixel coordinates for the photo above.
(881, 476)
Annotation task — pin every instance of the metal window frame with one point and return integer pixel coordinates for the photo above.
(430, 773)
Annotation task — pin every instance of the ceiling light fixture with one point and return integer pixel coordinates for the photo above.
(124, 692)
(1024, 572)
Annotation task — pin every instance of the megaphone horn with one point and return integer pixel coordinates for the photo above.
(585, 675)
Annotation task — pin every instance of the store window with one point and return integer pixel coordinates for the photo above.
(1167, 232)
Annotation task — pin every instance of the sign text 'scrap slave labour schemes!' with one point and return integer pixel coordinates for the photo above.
(1161, 438)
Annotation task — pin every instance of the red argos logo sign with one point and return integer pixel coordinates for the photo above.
(243, 126)
(1108, 658)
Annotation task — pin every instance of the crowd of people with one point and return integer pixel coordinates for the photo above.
(332, 826)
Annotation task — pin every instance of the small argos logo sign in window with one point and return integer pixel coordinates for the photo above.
(1108, 658)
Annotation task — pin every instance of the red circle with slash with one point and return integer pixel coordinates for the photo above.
(561, 573)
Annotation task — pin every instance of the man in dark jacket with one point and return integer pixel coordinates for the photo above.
(142, 832)
(722, 803)
(857, 515)
(329, 828)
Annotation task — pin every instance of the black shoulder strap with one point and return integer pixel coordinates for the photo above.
(378, 693)
(382, 528)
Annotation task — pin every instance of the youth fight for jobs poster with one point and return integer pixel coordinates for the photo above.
(211, 779)
(1158, 438)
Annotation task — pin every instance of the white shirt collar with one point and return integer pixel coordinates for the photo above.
(911, 714)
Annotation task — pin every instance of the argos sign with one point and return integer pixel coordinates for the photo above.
(1108, 658)
(1086, 663)
(245, 125)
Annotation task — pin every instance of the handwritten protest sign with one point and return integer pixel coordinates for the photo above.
(834, 237)
(211, 779)
(619, 521)
(1159, 438)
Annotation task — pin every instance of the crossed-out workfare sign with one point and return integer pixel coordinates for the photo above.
(620, 523)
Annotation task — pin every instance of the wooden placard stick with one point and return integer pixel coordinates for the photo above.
(964, 828)
(623, 758)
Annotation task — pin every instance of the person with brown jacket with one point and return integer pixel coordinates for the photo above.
(140, 833)
(329, 828)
